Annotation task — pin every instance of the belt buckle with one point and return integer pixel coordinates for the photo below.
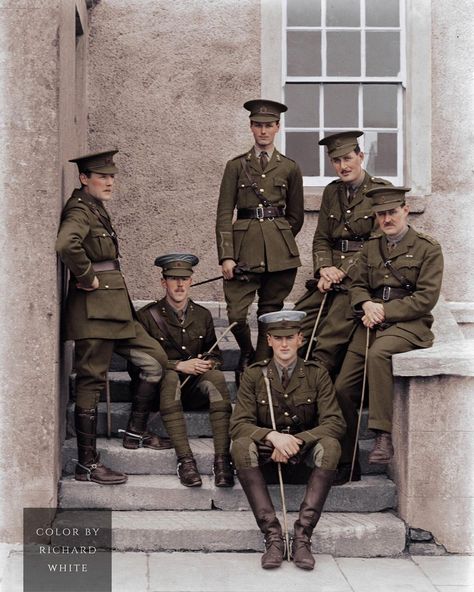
(344, 245)
(260, 213)
(386, 293)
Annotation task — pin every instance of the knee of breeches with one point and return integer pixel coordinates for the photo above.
(87, 399)
(244, 453)
(326, 453)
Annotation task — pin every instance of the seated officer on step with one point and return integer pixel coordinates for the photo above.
(99, 314)
(186, 332)
(395, 287)
(308, 425)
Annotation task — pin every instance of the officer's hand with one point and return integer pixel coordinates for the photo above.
(374, 313)
(91, 288)
(194, 366)
(228, 268)
(324, 285)
(332, 274)
(285, 445)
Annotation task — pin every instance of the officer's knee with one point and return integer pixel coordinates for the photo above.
(87, 399)
(244, 453)
(326, 453)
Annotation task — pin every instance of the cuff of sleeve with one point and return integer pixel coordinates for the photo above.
(307, 437)
(171, 364)
(260, 434)
(86, 278)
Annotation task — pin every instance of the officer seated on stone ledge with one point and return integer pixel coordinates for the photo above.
(186, 332)
(309, 425)
(394, 289)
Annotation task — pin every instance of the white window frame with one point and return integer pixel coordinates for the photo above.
(400, 80)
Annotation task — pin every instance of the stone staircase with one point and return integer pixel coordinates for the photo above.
(154, 512)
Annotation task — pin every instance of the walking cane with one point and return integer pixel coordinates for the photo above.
(354, 454)
(213, 347)
(316, 323)
(280, 478)
(108, 404)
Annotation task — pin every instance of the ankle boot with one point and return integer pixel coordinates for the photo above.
(317, 489)
(263, 350)
(256, 490)
(223, 471)
(247, 353)
(382, 452)
(88, 467)
(136, 436)
(187, 471)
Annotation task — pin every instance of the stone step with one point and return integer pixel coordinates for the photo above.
(337, 534)
(145, 461)
(197, 422)
(165, 492)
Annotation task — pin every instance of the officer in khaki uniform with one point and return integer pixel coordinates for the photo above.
(266, 189)
(186, 332)
(345, 222)
(395, 287)
(99, 314)
(308, 424)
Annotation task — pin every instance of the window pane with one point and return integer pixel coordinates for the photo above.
(303, 147)
(381, 153)
(380, 105)
(304, 53)
(340, 105)
(343, 13)
(303, 105)
(383, 53)
(306, 13)
(343, 53)
(382, 13)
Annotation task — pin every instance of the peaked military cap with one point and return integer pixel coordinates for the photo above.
(387, 198)
(283, 323)
(98, 162)
(264, 111)
(177, 264)
(341, 143)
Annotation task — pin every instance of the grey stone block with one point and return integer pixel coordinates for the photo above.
(338, 534)
(426, 549)
(419, 535)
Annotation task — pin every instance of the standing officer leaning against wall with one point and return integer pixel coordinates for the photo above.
(308, 425)
(345, 222)
(266, 188)
(186, 332)
(99, 313)
(394, 289)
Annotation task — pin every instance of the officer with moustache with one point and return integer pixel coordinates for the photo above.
(264, 189)
(345, 223)
(394, 289)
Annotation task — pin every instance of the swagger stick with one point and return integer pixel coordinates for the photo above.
(213, 347)
(316, 323)
(108, 404)
(280, 478)
(354, 454)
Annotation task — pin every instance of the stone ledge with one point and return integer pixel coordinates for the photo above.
(455, 358)
(463, 312)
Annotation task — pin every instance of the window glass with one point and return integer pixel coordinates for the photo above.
(381, 153)
(343, 53)
(341, 105)
(304, 13)
(342, 13)
(383, 53)
(303, 147)
(303, 105)
(382, 13)
(380, 105)
(304, 53)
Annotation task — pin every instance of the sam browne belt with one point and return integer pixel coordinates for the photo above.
(260, 213)
(110, 265)
(388, 293)
(348, 246)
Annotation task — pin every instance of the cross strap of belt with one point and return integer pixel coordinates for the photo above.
(295, 420)
(261, 212)
(161, 322)
(109, 265)
(404, 282)
(348, 246)
(105, 221)
(253, 184)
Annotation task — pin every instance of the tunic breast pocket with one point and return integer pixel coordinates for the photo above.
(408, 267)
(264, 417)
(306, 409)
(100, 245)
(281, 187)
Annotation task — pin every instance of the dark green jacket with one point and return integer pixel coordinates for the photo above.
(335, 212)
(310, 395)
(418, 257)
(181, 341)
(83, 239)
(267, 245)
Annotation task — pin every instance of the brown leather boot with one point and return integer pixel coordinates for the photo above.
(242, 335)
(382, 452)
(223, 471)
(187, 471)
(317, 489)
(256, 490)
(136, 436)
(88, 467)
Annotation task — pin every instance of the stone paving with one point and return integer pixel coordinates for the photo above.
(241, 572)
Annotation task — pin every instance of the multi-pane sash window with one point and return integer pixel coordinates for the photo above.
(344, 69)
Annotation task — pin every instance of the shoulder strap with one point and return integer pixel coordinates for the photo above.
(404, 282)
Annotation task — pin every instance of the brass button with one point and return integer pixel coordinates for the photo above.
(260, 205)
(365, 217)
(286, 396)
(183, 330)
(106, 286)
(262, 190)
(309, 400)
(103, 234)
(183, 347)
(263, 176)
(385, 276)
(348, 211)
(263, 401)
(262, 263)
(343, 256)
(286, 413)
(242, 185)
